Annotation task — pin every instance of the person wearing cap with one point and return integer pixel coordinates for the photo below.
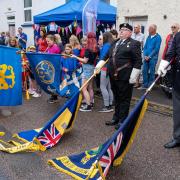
(173, 53)
(123, 68)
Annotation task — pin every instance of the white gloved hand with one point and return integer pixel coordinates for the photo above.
(134, 76)
(98, 67)
(161, 69)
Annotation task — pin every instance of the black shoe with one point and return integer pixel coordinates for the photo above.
(53, 99)
(118, 126)
(112, 122)
(83, 104)
(106, 109)
(92, 105)
(172, 144)
(86, 108)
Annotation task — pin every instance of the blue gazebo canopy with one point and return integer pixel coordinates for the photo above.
(72, 10)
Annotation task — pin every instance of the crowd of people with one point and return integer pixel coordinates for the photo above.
(130, 56)
(88, 51)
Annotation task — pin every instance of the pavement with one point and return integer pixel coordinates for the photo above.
(147, 158)
(159, 102)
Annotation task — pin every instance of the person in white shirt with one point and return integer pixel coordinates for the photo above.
(138, 36)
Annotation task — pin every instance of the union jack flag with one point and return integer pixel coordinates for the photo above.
(108, 157)
(50, 137)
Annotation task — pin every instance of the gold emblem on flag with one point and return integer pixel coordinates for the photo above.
(90, 154)
(7, 77)
(46, 72)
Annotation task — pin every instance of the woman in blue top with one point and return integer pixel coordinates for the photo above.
(104, 78)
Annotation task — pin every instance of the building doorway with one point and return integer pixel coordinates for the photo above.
(12, 30)
(141, 20)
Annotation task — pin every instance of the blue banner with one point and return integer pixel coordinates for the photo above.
(95, 163)
(46, 69)
(49, 135)
(56, 74)
(10, 77)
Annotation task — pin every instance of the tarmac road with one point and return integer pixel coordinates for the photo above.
(146, 160)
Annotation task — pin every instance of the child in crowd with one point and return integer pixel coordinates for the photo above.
(69, 72)
(73, 40)
(59, 42)
(34, 90)
(88, 61)
(83, 46)
(52, 46)
(52, 49)
(13, 42)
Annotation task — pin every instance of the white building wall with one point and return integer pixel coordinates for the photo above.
(10, 7)
(154, 10)
(113, 3)
(40, 6)
(16, 7)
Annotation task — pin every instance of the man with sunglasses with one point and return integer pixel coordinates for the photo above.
(173, 53)
(123, 68)
(174, 29)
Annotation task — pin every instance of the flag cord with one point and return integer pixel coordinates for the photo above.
(95, 73)
(94, 165)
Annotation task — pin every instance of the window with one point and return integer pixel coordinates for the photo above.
(10, 17)
(27, 10)
(27, 3)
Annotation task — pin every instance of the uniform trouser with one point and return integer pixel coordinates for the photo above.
(149, 72)
(176, 115)
(122, 92)
(106, 89)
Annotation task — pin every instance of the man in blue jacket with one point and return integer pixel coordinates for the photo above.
(151, 52)
(22, 38)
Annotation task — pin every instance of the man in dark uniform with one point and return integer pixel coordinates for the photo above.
(174, 53)
(124, 67)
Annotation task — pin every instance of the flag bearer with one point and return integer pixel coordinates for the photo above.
(123, 67)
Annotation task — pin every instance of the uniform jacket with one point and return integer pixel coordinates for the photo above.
(174, 52)
(128, 51)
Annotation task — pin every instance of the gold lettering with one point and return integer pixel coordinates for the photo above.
(67, 162)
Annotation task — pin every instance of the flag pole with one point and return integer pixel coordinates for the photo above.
(24, 73)
(22, 52)
(95, 73)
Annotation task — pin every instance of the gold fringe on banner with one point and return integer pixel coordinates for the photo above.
(2, 133)
(15, 147)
